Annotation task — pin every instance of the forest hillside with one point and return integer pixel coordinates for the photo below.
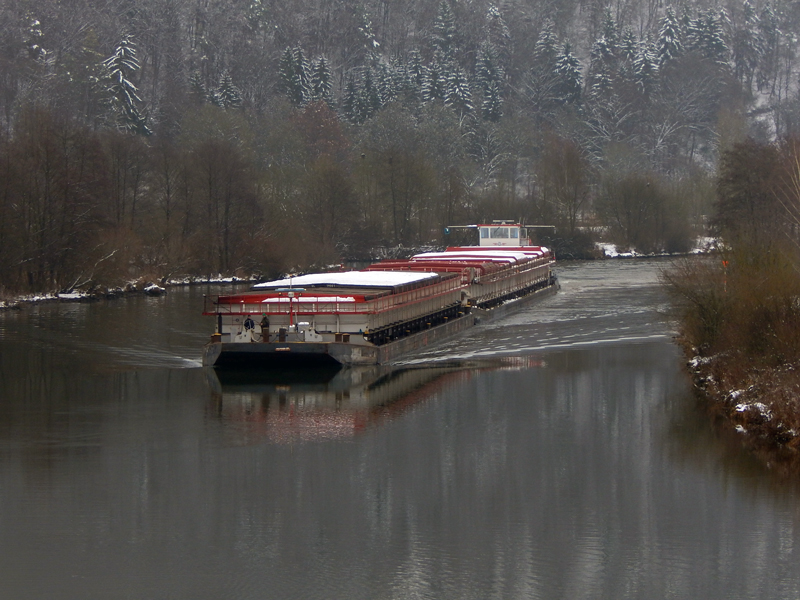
(146, 138)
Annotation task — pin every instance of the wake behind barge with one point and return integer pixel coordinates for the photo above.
(388, 309)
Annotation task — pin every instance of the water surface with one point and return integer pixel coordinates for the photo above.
(557, 453)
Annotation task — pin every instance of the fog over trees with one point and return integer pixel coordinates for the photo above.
(146, 138)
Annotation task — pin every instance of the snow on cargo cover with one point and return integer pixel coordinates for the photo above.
(508, 257)
(350, 278)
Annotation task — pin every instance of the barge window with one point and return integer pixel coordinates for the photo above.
(484, 232)
(500, 232)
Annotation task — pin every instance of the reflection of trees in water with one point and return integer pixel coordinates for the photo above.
(35, 408)
(699, 436)
(50, 414)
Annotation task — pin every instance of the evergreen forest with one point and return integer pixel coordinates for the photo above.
(164, 138)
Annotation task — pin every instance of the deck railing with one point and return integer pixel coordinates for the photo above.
(316, 303)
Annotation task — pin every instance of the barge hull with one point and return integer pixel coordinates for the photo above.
(308, 354)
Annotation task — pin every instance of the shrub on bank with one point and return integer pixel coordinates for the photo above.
(739, 321)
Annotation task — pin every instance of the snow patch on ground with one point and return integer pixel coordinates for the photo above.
(702, 245)
(219, 278)
(154, 290)
(699, 361)
(759, 407)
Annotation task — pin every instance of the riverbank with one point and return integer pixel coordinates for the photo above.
(144, 286)
(761, 405)
(739, 326)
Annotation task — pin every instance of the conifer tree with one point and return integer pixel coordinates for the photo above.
(489, 79)
(416, 70)
(458, 95)
(629, 45)
(747, 46)
(444, 32)
(294, 75)
(197, 88)
(384, 83)
(120, 69)
(369, 100)
(610, 31)
(350, 101)
(646, 66)
(546, 48)
(227, 95)
(371, 43)
(770, 34)
(34, 37)
(602, 69)
(542, 79)
(568, 69)
(498, 34)
(488, 69)
(670, 44)
(320, 83)
(492, 105)
(706, 37)
(257, 16)
(434, 86)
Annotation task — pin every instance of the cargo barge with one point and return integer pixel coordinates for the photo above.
(372, 316)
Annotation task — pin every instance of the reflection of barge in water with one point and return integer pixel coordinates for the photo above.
(317, 404)
(286, 406)
(372, 316)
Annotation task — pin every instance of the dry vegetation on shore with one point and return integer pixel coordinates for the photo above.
(739, 312)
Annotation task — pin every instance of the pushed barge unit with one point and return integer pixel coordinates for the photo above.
(390, 308)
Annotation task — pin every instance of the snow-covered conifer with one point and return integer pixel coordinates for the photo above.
(707, 37)
(294, 75)
(487, 66)
(227, 95)
(120, 69)
(458, 94)
(627, 52)
(257, 15)
(385, 83)
(610, 31)
(602, 68)
(444, 31)
(320, 83)
(492, 105)
(498, 34)
(670, 44)
(771, 35)
(645, 66)
(629, 45)
(434, 85)
(416, 70)
(350, 100)
(546, 48)
(197, 87)
(34, 37)
(568, 69)
(747, 46)
(369, 101)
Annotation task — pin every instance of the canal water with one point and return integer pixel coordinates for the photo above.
(558, 453)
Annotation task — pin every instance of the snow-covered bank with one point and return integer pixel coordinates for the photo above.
(761, 404)
(702, 245)
(146, 287)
